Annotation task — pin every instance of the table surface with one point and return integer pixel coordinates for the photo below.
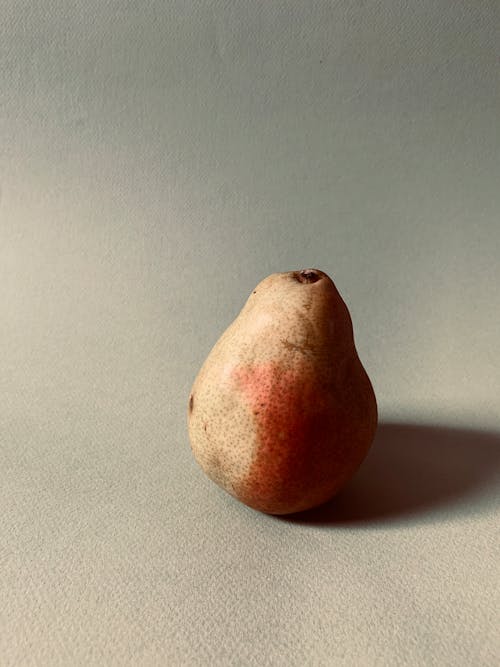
(157, 161)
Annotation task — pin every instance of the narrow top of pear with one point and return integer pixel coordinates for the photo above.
(286, 287)
(308, 275)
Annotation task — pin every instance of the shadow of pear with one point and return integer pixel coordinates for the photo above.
(415, 472)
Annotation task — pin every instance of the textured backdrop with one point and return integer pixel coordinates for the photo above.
(157, 160)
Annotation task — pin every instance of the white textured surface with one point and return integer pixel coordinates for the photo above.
(156, 161)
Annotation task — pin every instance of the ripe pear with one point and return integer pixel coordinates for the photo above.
(282, 412)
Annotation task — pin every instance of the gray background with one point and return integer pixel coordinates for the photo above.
(159, 159)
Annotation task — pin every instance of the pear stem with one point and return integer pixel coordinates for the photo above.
(307, 276)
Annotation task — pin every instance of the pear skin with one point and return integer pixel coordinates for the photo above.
(282, 412)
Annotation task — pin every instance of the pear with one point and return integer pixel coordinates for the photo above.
(282, 412)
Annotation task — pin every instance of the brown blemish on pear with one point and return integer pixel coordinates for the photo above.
(290, 408)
